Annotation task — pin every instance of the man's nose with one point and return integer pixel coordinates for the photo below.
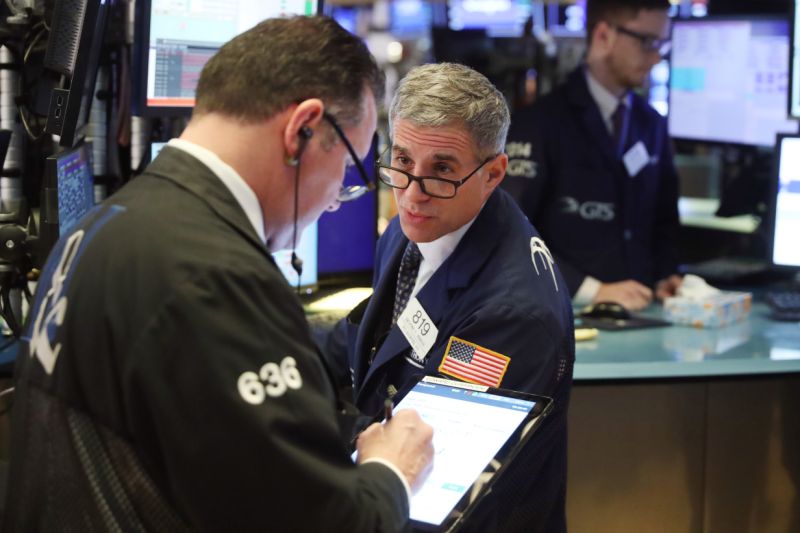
(414, 192)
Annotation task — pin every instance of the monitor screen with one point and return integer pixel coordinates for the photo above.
(786, 204)
(347, 237)
(410, 18)
(182, 36)
(729, 81)
(794, 66)
(306, 250)
(155, 148)
(500, 18)
(67, 195)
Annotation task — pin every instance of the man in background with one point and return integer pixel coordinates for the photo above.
(592, 164)
(168, 381)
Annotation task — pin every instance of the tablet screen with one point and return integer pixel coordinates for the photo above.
(471, 425)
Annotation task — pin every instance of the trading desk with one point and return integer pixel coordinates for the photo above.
(755, 346)
(687, 430)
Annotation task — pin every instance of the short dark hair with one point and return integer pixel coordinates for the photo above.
(617, 11)
(281, 61)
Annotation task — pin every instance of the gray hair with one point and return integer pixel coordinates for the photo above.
(440, 94)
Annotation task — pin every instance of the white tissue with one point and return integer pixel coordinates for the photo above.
(695, 288)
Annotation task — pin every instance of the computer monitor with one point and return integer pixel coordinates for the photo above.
(306, 250)
(729, 80)
(155, 149)
(410, 18)
(67, 195)
(794, 64)
(785, 206)
(73, 54)
(176, 39)
(347, 237)
(499, 19)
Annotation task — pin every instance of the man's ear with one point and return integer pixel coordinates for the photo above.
(300, 127)
(495, 172)
(603, 37)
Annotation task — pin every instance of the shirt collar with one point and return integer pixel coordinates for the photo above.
(239, 188)
(436, 252)
(604, 99)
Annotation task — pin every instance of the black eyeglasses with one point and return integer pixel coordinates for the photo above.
(351, 192)
(430, 185)
(649, 43)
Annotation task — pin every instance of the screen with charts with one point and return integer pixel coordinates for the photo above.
(75, 186)
(729, 81)
(470, 428)
(786, 227)
(184, 34)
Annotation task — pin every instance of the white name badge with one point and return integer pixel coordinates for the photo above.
(636, 158)
(417, 327)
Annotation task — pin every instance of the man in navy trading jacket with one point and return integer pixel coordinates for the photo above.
(591, 163)
(168, 381)
(462, 259)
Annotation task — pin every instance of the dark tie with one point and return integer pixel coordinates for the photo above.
(406, 278)
(617, 125)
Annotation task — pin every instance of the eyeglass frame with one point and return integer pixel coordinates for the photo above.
(353, 192)
(419, 179)
(648, 43)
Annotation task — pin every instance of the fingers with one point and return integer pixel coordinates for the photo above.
(631, 294)
(405, 441)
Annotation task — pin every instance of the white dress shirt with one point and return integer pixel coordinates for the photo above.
(435, 253)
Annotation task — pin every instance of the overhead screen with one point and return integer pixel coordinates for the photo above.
(729, 81)
(500, 18)
(182, 36)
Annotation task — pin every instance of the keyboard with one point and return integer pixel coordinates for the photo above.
(784, 305)
(727, 269)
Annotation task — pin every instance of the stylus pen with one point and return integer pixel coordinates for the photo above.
(387, 409)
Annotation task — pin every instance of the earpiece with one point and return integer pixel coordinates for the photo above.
(304, 134)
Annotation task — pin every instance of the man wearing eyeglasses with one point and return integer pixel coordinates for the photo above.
(168, 381)
(591, 163)
(464, 287)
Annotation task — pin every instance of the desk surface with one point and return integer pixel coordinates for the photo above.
(757, 345)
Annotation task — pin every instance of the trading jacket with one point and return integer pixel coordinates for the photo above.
(168, 380)
(571, 182)
(497, 290)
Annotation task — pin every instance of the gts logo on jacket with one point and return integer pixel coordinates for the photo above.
(603, 211)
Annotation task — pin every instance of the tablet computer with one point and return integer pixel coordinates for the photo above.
(477, 431)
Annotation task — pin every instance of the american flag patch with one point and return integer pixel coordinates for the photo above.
(473, 363)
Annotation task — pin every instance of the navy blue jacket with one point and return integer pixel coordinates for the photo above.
(487, 292)
(567, 176)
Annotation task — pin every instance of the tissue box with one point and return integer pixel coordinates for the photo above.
(713, 311)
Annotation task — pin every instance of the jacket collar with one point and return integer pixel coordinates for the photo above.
(190, 174)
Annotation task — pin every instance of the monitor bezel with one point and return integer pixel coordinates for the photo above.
(724, 18)
(773, 203)
(793, 13)
(141, 52)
